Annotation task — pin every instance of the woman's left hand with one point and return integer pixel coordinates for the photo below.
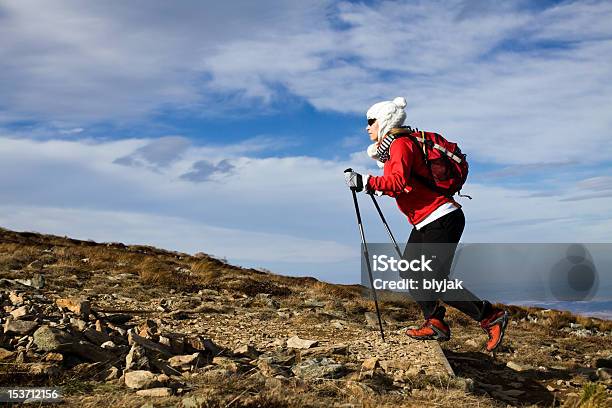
(356, 181)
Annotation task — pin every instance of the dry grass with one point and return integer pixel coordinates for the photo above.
(557, 320)
(207, 271)
(251, 391)
(14, 256)
(592, 396)
(345, 292)
(159, 273)
(591, 323)
(12, 373)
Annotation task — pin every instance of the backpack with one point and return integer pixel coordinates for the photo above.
(448, 167)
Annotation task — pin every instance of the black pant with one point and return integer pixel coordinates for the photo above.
(446, 229)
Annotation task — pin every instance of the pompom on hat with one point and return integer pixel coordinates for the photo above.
(388, 114)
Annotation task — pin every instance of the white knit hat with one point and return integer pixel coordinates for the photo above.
(388, 114)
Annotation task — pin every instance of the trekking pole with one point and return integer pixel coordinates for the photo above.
(382, 217)
(367, 257)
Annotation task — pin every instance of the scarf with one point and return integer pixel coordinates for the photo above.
(383, 148)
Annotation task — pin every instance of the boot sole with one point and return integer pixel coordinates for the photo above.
(504, 324)
(438, 336)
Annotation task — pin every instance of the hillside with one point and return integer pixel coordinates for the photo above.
(130, 325)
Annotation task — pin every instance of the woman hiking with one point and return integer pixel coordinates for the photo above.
(436, 219)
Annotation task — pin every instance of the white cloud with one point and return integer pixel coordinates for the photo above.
(89, 61)
(158, 153)
(596, 183)
(576, 21)
(486, 75)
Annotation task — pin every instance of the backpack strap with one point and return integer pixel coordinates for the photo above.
(424, 144)
(428, 143)
(421, 142)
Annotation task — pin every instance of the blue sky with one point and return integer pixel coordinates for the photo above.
(225, 127)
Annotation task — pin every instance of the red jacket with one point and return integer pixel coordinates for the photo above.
(413, 197)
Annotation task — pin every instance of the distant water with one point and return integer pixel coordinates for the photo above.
(593, 308)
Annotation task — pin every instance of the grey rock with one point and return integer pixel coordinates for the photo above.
(78, 324)
(20, 312)
(368, 367)
(136, 358)
(297, 343)
(604, 374)
(280, 358)
(44, 369)
(582, 333)
(325, 350)
(175, 341)
(226, 363)
(267, 369)
(518, 367)
(247, 350)
(51, 339)
(319, 368)
(109, 345)
(140, 379)
(466, 384)
(91, 352)
(15, 298)
(314, 303)
(77, 305)
(163, 367)
(36, 282)
(112, 374)
(12, 326)
(200, 343)
(371, 320)
(339, 324)
(133, 338)
(186, 360)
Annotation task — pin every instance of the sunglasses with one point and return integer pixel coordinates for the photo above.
(371, 122)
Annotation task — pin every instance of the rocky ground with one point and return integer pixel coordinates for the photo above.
(119, 325)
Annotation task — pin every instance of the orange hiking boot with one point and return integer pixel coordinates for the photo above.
(432, 329)
(495, 327)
